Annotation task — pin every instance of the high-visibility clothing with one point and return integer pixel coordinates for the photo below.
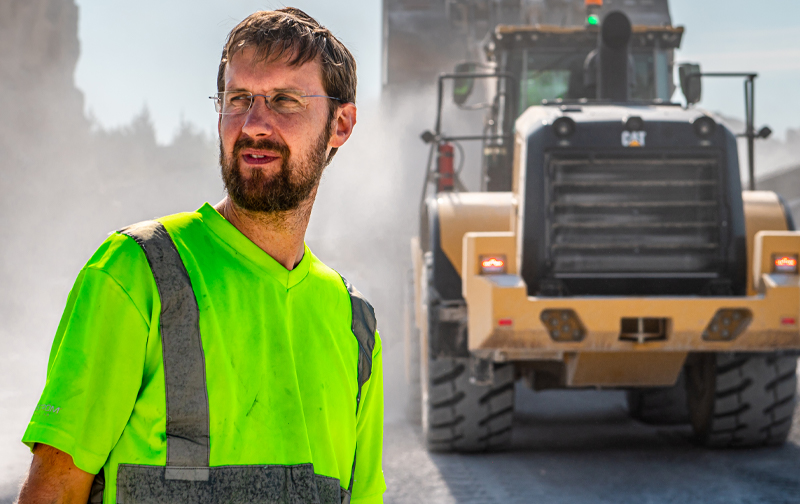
(286, 412)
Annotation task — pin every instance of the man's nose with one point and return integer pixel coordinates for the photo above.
(259, 120)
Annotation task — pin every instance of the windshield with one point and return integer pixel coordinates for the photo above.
(644, 83)
(552, 76)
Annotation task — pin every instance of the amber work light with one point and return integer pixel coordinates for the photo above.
(493, 265)
(784, 263)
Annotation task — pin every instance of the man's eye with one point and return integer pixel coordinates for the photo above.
(239, 99)
(285, 99)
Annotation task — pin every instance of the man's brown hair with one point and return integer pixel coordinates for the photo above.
(293, 34)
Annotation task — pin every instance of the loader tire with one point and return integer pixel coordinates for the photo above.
(741, 400)
(462, 417)
(660, 406)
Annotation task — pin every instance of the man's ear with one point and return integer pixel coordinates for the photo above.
(343, 125)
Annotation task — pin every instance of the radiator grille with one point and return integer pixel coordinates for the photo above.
(614, 216)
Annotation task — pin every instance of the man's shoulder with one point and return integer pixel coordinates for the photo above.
(321, 272)
(363, 321)
(120, 252)
(182, 222)
(325, 273)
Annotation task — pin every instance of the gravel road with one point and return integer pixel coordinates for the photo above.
(580, 447)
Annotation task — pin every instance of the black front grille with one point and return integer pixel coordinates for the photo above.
(624, 217)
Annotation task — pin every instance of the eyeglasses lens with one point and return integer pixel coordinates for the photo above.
(237, 102)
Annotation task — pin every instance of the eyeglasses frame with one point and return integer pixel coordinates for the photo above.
(266, 102)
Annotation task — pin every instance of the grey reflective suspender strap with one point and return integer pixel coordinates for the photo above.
(187, 476)
(184, 362)
(364, 326)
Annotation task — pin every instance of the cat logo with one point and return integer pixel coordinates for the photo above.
(633, 138)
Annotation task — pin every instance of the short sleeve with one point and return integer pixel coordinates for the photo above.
(369, 484)
(94, 373)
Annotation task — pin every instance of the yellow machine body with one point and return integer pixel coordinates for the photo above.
(506, 325)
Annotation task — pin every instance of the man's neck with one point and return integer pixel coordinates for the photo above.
(280, 235)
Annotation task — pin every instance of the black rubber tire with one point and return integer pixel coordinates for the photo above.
(660, 406)
(462, 417)
(741, 400)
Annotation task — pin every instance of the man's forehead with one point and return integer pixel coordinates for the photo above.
(248, 65)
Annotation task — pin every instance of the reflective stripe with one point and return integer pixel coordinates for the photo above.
(184, 362)
(364, 326)
(140, 484)
(186, 473)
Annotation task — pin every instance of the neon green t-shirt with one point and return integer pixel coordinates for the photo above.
(280, 356)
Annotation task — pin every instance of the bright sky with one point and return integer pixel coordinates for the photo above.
(164, 55)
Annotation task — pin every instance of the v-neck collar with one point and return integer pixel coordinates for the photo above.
(244, 246)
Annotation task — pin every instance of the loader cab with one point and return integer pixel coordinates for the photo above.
(559, 64)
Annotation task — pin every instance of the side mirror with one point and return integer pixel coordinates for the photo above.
(691, 83)
(462, 86)
(427, 136)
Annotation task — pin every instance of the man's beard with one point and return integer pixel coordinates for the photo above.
(277, 192)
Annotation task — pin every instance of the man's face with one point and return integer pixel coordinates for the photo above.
(273, 162)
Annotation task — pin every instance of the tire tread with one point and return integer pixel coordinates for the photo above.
(753, 400)
(464, 417)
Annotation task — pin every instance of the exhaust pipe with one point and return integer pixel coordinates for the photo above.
(614, 55)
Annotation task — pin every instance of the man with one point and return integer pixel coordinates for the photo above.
(209, 356)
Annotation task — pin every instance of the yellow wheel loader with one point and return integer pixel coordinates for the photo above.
(611, 246)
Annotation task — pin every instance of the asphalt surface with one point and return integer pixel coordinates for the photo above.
(580, 447)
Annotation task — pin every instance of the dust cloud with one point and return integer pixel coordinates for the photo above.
(65, 187)
(772, 155)
(365, 214)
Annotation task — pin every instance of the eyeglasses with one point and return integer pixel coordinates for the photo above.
(284, 102)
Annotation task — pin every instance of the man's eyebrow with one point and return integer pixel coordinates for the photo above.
(272, 92)
(289, 90)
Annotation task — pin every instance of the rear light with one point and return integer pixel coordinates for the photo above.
(493, 265)
(784, 263)
(727, 324)
(505, 322)
(790, 321)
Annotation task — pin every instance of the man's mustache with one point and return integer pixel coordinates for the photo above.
(264, 144)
